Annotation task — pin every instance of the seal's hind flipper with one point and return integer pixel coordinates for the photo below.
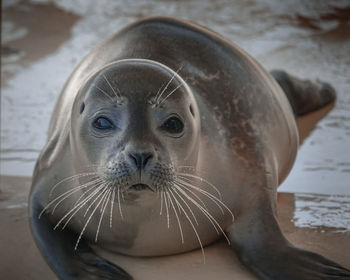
(305, 96)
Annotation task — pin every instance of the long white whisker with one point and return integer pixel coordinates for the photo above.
(172, 78)
(187, 166)
(185, 185)
(112, 204)
(119, 205)
(122, 195)
(209, 195)
(86, 191)
(76, 176)
(183, 176)
(209, 216)
(156, 97)
(161, 203)
(115, 93)
(194, 194)
(177, 217)
(65, 195)
(77, 207)
(105, 93)
(204, 212)
(106, 198)
(189, 208)
(167, 209)
(87, 222)
(165, 98)
(92, 203)
(195, 231)
(68, 195)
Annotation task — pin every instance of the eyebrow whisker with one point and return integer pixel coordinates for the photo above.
(118, 95)
(157, 98)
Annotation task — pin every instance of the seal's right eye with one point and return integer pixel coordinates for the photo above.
(173, 125)
(103, 123)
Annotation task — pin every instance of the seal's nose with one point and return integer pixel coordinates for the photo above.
(140, 160)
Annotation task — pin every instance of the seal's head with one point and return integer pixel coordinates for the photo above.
(137, 124)
(137, 121)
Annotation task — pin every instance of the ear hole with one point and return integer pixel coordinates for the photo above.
(82, 107)
(191, 110)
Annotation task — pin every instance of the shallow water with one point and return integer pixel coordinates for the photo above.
(42, 43)
(316, 211)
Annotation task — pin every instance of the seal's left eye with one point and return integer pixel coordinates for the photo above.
(103, 123)
(173, 125)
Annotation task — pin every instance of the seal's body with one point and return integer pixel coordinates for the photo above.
(167, 125)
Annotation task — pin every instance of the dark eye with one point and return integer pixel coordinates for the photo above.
(103, 123)
(173, 125)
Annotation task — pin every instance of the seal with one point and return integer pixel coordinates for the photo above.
(168, 125)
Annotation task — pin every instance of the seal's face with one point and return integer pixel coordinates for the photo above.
(137, 122)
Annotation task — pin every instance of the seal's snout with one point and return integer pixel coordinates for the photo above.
(140, 159)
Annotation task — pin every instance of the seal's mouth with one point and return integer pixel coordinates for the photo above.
(141, 187)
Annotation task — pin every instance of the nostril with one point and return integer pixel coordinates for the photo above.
(140, 160)
(135, 159)
(146, 157)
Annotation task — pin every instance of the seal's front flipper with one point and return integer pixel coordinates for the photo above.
(57, 246)
(262, 247)
(305, 96)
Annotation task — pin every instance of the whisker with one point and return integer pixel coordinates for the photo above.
(211, 219)
(94, 184)
(177, 217)
(183, 176)
(87, 222)
(70, 192)
(92, 203)
(105, 94)
(180, 85)
(116, 94)
(172, 78)
(76, 176)
(122, 195)
(195, 195)
(186, 185)
(119, 205)
(111, 213)
(212, 197)
(194, 229)
(189, 208)
(77, 207)
(187, 166)
(161, 203)
(106, 198)
(156, 97)
(85, 192)
(204, 212)
(167, 209)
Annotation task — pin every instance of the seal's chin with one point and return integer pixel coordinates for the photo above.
(141, 187)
